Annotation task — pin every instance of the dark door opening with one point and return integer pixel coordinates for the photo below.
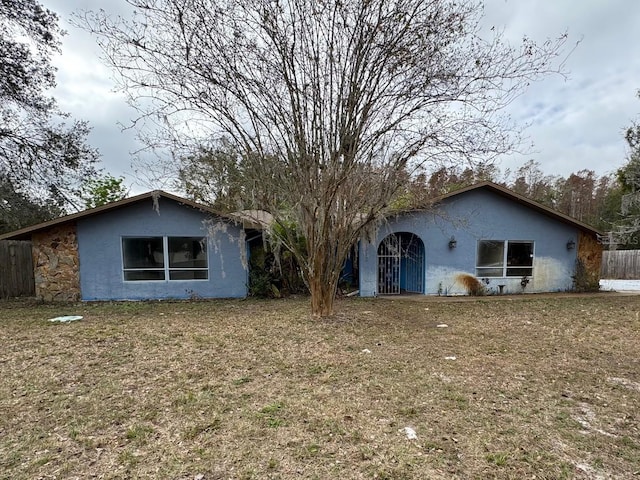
(401, 265)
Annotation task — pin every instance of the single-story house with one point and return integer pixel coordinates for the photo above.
(158, 245)
(154, 245)
(483, 238)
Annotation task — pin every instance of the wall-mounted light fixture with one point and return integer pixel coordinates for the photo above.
(571, 245)
(453, 243)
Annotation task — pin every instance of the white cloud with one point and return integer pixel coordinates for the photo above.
(577, 123)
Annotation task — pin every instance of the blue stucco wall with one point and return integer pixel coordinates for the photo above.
(471, 216)
(100, 253)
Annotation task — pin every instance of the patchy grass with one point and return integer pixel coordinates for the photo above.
(544, 387)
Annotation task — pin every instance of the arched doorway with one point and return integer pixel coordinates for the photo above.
(400, 264)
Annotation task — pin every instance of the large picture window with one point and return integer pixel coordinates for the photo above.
(143, 258)
(188, 258)
(504, 258)
(164, 258)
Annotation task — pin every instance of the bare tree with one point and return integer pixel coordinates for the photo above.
(329, 101)
(40, 156)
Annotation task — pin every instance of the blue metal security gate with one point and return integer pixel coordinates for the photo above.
(389, 266)
(401, 264)
(412, 263)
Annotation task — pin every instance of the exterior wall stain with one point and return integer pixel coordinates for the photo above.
(446, 280)
(56, 265)
(549, 275)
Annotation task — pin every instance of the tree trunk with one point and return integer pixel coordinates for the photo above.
(322, 296)
(326, 257)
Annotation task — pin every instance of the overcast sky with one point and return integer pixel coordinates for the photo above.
(574, 123)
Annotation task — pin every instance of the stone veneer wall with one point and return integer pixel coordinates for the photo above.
(590, 254)
(56, 266)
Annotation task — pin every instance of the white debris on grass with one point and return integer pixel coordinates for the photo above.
(366, 350)
(590, 471)
(630, 384)
(442, 325)
(442, 377)
(410, 433)
(451, 357)
(66, 318)
(587, 418)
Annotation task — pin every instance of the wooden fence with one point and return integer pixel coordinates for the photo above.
(621, 264)
(16, 269)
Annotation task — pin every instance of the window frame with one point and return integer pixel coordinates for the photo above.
(166, 269)
(481, 271)
(126, 269)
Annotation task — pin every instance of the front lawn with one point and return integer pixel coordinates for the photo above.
(511, 388)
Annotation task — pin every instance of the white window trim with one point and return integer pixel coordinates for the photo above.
(166, 269)
(505, 251)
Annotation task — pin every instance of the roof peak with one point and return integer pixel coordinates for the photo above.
(27, 231)
(508, 193)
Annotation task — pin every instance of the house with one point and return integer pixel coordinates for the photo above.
(151, 246)
(483, 238)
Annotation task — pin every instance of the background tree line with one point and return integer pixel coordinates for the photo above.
(608, 202)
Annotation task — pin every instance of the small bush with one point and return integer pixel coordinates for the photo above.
(471, 284)
(260, 283)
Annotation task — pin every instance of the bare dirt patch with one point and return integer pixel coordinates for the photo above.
(543, 387)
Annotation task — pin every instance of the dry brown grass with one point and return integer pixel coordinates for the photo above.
(541, 387)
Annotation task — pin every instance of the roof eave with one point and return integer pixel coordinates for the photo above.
(25, 233)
